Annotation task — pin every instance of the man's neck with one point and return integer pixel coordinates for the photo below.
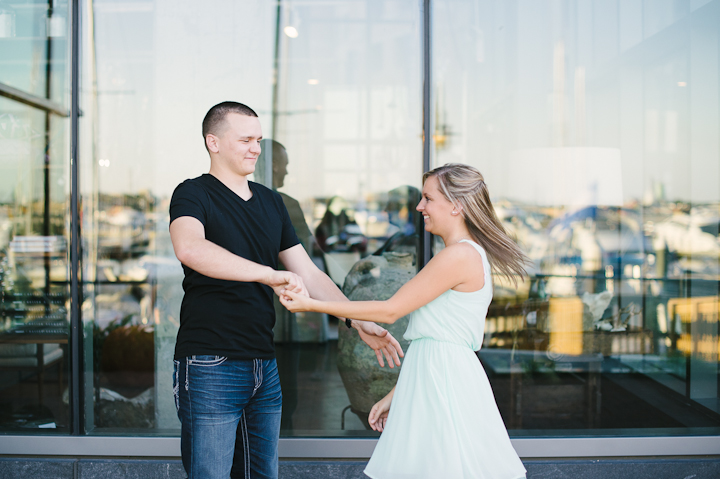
(238, 184)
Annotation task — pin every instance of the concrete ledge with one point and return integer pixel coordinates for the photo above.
(358, 448)
(635, 468)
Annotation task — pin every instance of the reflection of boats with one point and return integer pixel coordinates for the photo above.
(123, 232)
(691, 234)
(596, 238)
(598, 241)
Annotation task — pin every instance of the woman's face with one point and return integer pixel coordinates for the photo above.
(435, 208)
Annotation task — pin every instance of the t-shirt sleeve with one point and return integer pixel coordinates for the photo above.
(289, 238)
(188, 200)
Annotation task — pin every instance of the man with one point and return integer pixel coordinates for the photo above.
(229, 234)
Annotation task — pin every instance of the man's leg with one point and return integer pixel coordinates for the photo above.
(212, 393)
(256, 446)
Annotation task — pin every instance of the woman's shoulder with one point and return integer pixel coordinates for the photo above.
(463, 253)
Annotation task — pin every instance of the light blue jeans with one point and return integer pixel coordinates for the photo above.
(228, 408)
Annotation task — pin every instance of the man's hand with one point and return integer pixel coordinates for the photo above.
(281, 281)
(381, 342)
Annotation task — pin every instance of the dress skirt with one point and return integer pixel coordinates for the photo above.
(443, 421)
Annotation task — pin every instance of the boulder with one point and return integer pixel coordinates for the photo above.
(372, 278)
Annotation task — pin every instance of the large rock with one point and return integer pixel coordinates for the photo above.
(372, 278)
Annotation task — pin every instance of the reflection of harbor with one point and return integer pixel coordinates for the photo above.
(123, 232)
(134, 302)
(628, 263)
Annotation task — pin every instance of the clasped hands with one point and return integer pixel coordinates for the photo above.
(294, 296)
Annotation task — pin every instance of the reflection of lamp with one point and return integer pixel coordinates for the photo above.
(7, 22)
(291, 29)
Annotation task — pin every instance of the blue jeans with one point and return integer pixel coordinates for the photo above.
(228, 408)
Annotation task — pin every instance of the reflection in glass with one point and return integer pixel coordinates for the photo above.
(580, 117)
(33, 271)
(153, 89)
(346, 160)
(33, 47)
(348, 114)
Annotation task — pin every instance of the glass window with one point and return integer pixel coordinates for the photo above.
(596, 126)
(33, 47)
(348, 114)
(337, 86)
(34, 218)
(33, 270)
(159, 67)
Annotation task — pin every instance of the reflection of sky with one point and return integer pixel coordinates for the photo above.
(161, 65)
(636, 77)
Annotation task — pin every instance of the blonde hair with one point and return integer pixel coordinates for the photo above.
(464, 186)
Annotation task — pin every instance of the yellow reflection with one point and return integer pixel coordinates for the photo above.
(696, 323)
(565, 318)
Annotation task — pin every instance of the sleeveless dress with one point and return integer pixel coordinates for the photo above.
(443, 420)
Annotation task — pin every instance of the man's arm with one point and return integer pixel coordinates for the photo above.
(321, 287)
(207, 258)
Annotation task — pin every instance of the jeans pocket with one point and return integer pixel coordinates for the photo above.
(176, 384)
(205, 360)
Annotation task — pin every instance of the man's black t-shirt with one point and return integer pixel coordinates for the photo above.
(230, 318)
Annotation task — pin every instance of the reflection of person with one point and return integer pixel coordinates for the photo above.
(441, 419)
(229, 234)
(402, 215)
(338, 230)
(288, 359)
(279, 171)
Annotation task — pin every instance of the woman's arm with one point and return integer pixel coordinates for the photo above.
(379, 412)
(321, 287)
(455, 265)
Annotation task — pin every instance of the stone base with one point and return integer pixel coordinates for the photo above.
(632, 468)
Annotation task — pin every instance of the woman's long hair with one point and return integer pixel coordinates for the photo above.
(464, 186)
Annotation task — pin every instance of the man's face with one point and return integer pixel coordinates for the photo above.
(237, 146)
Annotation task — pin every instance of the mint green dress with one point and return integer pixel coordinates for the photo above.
(443, 421)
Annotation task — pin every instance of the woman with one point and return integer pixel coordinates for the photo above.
(441, 419)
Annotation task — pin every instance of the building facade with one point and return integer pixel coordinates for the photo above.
(596, 125)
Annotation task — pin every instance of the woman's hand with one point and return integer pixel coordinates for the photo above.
(379, 412)
(381, 341)
(295, 302)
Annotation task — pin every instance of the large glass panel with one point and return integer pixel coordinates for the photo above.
(34, 218)
(159, 66)
(33, 47)
(349, 115)
(346, 107)
(597, 126)
(34, 275)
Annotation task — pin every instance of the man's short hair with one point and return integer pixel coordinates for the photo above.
(215, 117)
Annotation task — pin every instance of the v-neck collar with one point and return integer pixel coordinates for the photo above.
(250, 186)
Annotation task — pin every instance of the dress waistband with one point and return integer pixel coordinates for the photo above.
(441, 341)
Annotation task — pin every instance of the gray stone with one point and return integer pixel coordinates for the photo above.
(11, 468)
(700, 468)
(130, 469)
(628, 468)
(334, 470)
(374, 278)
